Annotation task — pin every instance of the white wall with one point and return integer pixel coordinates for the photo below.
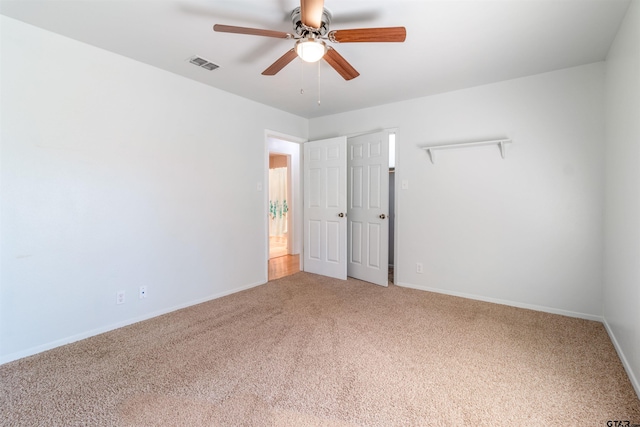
(526, 230)
(622, 214)
(115, 175)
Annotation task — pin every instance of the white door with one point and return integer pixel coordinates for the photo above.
(325, 207)
(368, 208)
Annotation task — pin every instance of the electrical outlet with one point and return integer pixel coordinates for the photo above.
(419, 268)
(143, 292)
(120, 297)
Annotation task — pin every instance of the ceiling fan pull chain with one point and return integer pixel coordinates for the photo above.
(318, 83)
(301, 78)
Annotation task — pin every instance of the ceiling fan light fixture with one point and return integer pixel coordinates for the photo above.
(310, 49)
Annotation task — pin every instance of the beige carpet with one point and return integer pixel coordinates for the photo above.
(306, 350)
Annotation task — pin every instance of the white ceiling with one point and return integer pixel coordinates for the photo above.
(450, 44)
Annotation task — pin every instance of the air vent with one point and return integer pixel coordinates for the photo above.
(210, 66)
(201, 62)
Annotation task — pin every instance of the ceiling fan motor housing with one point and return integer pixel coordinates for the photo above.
(304, 31)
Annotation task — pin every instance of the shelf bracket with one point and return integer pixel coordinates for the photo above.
(431, 155)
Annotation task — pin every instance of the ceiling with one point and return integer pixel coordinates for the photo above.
(450, 44)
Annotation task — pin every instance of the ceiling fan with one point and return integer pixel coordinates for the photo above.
(311, 28)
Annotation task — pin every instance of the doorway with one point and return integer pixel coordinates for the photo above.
(392, 203)
(283, 205)
(279, 199)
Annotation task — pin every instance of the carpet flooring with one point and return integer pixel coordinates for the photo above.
(306, 350)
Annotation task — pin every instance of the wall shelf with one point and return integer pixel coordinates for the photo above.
(432, 148)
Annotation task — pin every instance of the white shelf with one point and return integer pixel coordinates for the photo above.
(432, 148)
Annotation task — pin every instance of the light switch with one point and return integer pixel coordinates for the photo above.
(405, 184)
(259, 186)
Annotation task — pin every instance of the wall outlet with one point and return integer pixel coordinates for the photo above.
(120, 297)
(143, 292)
(419, 268)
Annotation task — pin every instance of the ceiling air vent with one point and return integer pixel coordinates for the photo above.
(201, 62)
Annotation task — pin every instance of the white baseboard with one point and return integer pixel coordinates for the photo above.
(627, 366)
(68, 340)
(506, 302)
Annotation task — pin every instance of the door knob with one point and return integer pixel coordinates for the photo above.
(382, 216)
(341, 215)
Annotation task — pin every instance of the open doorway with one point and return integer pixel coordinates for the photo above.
(392, 204)
(283, 205)
(279, 200)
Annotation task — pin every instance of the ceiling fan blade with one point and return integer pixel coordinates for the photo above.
(251, 31)
(280, 63)
(340, 64)
(311, 12)
(388, 34)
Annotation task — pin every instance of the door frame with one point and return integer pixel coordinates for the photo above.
(272, 140)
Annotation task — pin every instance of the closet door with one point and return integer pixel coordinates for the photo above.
(368, 207)
(325, 207)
